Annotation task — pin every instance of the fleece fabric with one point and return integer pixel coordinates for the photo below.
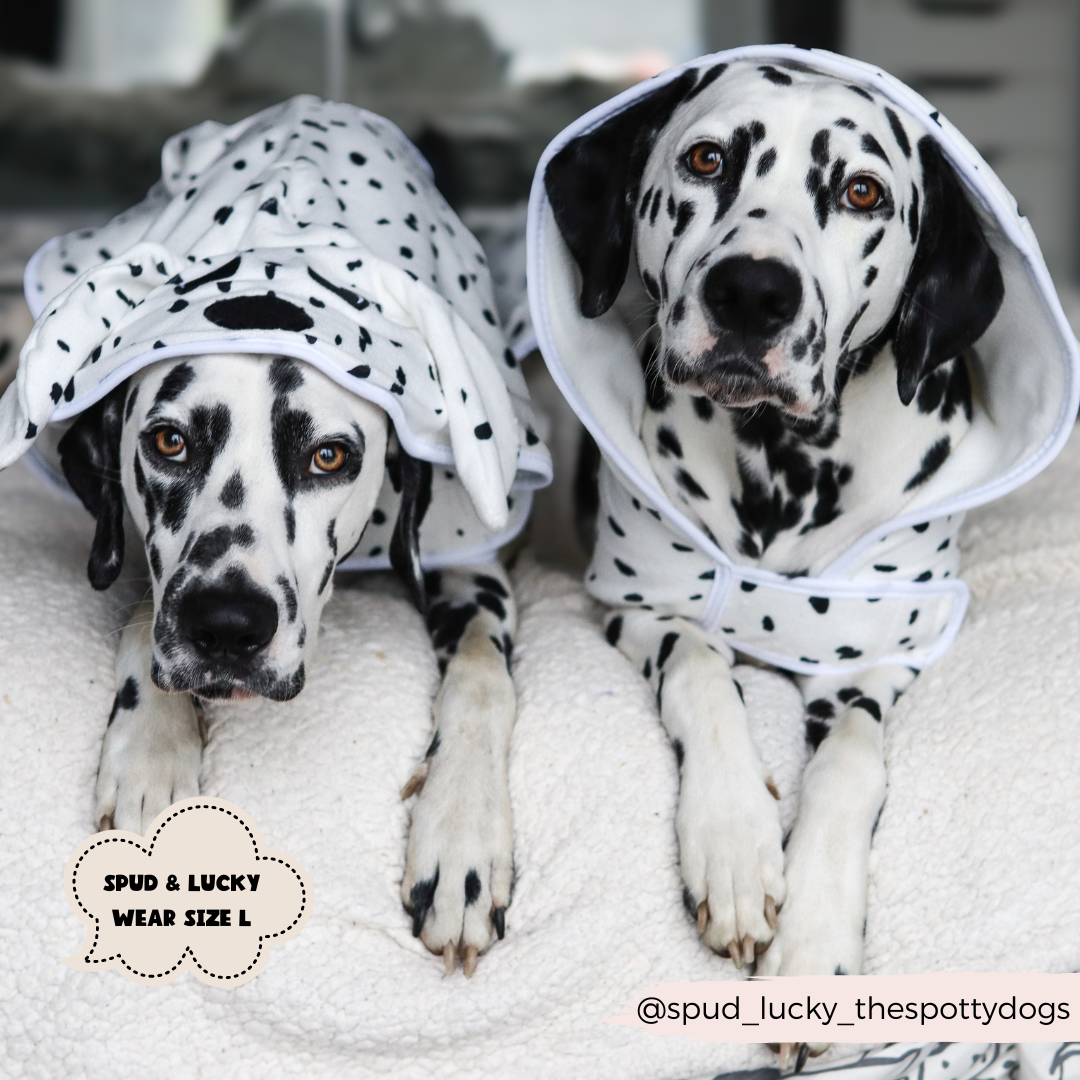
(974, 865)
(312, 229)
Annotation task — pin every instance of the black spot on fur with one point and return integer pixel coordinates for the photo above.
(766, 162)
(872, 242)
(232, 492)
(932, 460)
(667, 644)
(872, 146)
(172, 386)
(421, 897)
(898, 132)
(870, 705)
(820, 604)
(472, 887)
(822, 708)
(816, 731)
(614, 630)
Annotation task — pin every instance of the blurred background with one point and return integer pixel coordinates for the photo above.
(90, 89)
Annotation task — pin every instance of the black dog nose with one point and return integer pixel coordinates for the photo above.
(752, 297)
(223, 624)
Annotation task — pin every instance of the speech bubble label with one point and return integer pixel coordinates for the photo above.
(200, 892)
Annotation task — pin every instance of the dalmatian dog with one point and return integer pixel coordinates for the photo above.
(243, 517)
(805, 275)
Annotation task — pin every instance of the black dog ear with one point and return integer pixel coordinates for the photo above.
(954, 289)
(90, 458)
(593, 184)
(412, 478)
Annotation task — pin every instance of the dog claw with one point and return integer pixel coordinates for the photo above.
(785, 1055)
(773, 791)
(416, 782)
(471, 952)
(498, 917)
(748, 949)
(702, 916)
(735, 952)
(770, 912)
(106, 823)
(449, 958)
(800, 1061)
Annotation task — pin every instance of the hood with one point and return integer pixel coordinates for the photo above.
(311, 230)
(1024, 367)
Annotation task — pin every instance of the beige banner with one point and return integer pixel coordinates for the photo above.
(864, 1009)
(201, 892)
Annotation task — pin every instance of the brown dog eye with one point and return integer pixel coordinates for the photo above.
(864, 193)
(170, 443)
(328, 458)
(705, 159)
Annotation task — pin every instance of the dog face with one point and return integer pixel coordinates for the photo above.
(249, 478)
(775, 230)
(781, 220)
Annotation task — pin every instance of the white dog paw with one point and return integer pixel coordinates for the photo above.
(459, 862)
(817, 935)
(150, 758)
(732, 862)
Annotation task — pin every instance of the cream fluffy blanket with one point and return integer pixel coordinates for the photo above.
(975, 863)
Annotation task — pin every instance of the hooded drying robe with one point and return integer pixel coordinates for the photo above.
(311, 230)
(893, 596)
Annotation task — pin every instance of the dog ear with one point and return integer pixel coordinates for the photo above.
(954, 289)
(90, 458)
(412, 478)
(593, 184)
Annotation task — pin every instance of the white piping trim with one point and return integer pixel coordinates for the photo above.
(534, 470)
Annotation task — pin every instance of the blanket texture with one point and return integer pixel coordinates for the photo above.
(974, 864)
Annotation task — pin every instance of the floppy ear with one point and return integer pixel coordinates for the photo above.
(954, 289)
(90, 458)
(414, 481)
(593, 184)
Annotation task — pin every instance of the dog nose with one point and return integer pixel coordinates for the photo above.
(222, 624)
(752, 297)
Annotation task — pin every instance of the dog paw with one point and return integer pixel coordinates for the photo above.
(459, 861)
(732, 861)
(816, 936)
(150, 758)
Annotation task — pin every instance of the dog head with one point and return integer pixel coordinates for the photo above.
(782, 220)
(249, 478)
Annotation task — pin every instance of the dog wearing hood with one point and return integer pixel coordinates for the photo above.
(291, 357)
(804, 275)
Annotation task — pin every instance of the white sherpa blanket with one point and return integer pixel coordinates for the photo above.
(975, 863)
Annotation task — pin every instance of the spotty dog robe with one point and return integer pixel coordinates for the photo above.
(310, 230)
(849, 616)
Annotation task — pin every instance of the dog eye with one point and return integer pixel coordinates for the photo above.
(170, 443)
(328, 458)
(863, 193)
(705, 159)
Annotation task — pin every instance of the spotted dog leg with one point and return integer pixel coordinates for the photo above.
(727, 823)
(828, 853)
(459, 861)
(152, 751)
